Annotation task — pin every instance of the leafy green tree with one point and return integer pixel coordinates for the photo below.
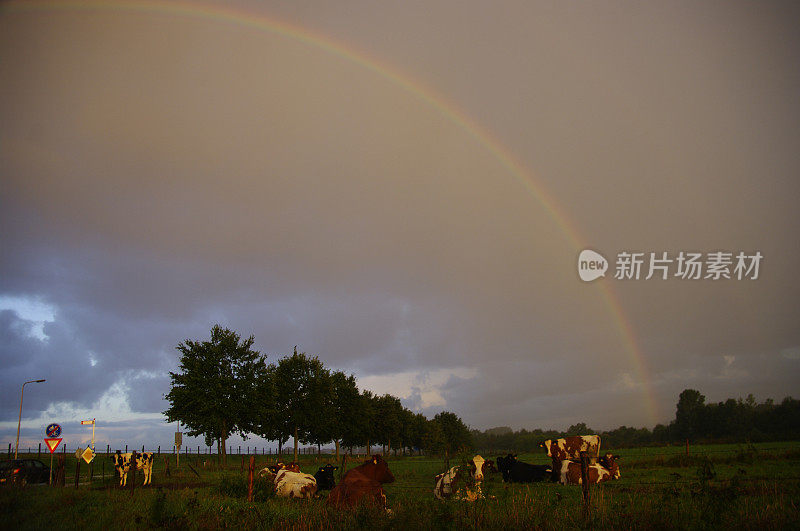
(362, 419)
(689, 414)
(213, 391)
(302, 391)
(266, 416)
(433, 440)
(456, 434)
(344, 408)
(387, 423)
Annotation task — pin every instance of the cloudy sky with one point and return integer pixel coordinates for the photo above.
(402, 189)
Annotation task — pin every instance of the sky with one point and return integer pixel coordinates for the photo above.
(402, 189)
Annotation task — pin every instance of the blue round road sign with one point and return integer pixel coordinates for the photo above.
(53, 430)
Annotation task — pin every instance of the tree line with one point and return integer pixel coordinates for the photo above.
(224, 387)
(732, 420)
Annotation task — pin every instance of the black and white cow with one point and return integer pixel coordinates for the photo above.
(325, 478)
(518, 472)
(123, 462)
(462, 482)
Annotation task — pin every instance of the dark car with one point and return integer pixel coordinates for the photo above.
(23, 471)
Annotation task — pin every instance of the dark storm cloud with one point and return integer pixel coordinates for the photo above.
(161, 174)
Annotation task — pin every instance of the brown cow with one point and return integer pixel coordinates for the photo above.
(362, 485)
(606, 469)
(571, 447)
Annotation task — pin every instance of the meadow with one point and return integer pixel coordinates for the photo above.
(715, 486)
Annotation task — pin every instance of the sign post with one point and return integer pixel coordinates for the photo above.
(178, 441)
(88, 454)
(53, 431)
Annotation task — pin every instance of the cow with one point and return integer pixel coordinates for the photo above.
(142, 461)
(325, 478)
(362, 484)
(518, 472)
(605, 469)
(571, 447)
(289, 481)
(290, 484)
(462, 482)
(274, 469)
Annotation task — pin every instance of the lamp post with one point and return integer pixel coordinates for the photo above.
(16, 448)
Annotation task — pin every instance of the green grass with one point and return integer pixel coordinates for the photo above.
(716, 486)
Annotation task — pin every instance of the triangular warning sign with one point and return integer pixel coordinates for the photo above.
(52, 444)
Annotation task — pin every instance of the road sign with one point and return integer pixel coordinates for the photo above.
(178, 439)
(78, 453)
(53, 431)
(88, 455)
(52, 444)
(87, 422)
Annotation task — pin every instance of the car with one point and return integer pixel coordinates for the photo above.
(23, 471)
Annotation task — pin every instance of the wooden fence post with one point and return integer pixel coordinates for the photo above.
(585, 483)
(61, 475)
(343, 467)
(133, 472)
(687, 447)
(166, 466)
(39, 453)
(77, 472)
(251, 468)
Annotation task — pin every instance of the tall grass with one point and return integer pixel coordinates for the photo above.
(744, 488)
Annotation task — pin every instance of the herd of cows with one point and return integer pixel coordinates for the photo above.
(363, 484)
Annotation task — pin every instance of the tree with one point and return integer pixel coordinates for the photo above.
(267, 417)
(344, 408)
(689, 414)
(388, 423)
(456, 434)
(212, 393)
(302, 390)
(362, 419)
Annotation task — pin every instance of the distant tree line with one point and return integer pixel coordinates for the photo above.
(740, 420)
(223, 387)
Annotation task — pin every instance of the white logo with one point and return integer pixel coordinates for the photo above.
(591, 265)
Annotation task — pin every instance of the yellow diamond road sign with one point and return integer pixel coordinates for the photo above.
(88, 455)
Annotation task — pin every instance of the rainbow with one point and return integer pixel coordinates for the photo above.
(427, 95)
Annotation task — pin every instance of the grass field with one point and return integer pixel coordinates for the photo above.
(715, 487)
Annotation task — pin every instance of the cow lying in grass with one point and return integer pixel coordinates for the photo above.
(362, 484)
(290, 483)
(518, 472)
(274, 469)
(606, 468)
(143, 462)
(462, 482)
(325, 478)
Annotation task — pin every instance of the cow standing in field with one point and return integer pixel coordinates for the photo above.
(123, 462)
(462, 482)
(518, 472)
(570, 448)
(606, 468)
(362, 484)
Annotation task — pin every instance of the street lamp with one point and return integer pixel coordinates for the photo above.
(16, 449)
